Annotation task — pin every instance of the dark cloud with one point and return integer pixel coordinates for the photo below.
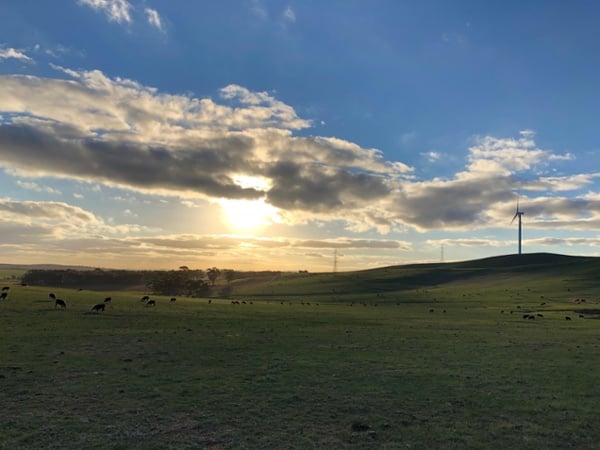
(320, 189)
(452, 204)
(202, 171)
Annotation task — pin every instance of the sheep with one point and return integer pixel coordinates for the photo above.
(145, 298)
(61, 303)
(52, 296)
(567, 318)
(98, 307)
(5, 288)
(525, 316)
(108, 300)
(3, 296)
(150, 303)
(173, 299)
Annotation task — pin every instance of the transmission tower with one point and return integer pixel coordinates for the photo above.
(335, 260)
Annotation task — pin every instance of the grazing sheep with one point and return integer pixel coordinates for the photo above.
(52, 296)
(531, 317)
(5, 288)
(540, 315)
(61, 303)
(525, 316)
(150, 303)
(108, 300)
(3, 295)
(173, 299)
(98, 307)
(581, 316)
(145, 298)
(209, 301)
(567, 318)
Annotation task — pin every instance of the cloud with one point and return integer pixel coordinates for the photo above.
(279, 19)
(59, 219)
(68, 233)
(569, 242)
(30, 185)
(564, 183)
(502, 156)
(408, 138)
(289, 15)
(138, 138)
(258, 9)
(432, 156)
(25, 212)
(467, 242)
(154, 18)
(11, 53)
(115, 10)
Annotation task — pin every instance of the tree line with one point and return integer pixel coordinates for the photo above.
(183, 281)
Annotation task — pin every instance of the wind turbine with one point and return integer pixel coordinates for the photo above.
(518, 214)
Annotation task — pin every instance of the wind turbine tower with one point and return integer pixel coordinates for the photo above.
(519, 214)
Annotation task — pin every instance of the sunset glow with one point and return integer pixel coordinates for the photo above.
(146, 133)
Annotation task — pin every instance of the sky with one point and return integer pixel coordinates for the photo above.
(296, 135)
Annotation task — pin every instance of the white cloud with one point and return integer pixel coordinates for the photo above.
(502, 156)
(30, 185)
(11, 53)
(154, 18)
(432, 156)
(258, 9)
(115, 10)
(289, 15)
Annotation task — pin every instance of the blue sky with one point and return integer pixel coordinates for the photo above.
(255, 134)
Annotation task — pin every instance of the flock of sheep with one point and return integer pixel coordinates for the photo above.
(98, 307)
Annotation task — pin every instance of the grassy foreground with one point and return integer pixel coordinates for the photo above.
(315, 361)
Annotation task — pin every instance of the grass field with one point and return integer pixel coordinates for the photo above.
(419, 357)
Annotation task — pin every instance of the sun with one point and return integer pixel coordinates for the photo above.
(248, 215)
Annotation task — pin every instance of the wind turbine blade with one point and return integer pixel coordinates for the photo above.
(513, 219)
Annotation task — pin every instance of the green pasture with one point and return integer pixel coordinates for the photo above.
(423, 357)
(11, 274)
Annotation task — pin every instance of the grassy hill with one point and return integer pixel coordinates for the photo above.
(430, 356)
(551, 273)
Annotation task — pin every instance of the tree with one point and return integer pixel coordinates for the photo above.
(229, 275)
(213, 273)
(177, 282)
